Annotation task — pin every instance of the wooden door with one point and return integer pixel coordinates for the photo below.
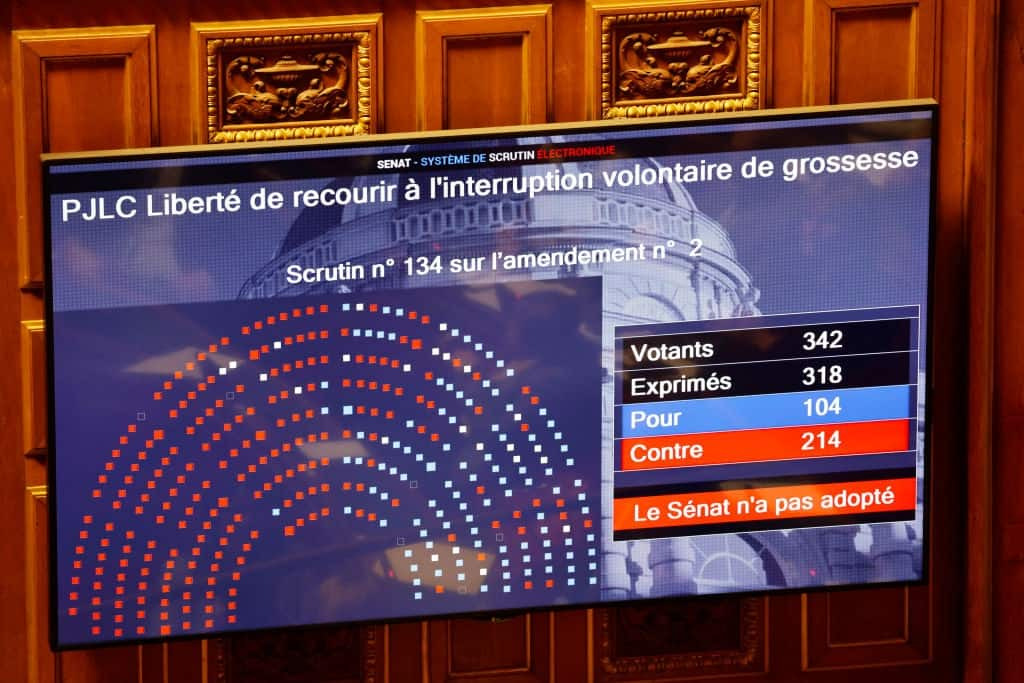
(118, 73)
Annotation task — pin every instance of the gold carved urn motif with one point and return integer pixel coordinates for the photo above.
(683, 58)
(314, 77)
(650, 68)
(286, 90)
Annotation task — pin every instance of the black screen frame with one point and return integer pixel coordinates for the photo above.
(375, 141)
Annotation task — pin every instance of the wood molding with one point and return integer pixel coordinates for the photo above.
(40, 660)
(525, 29)
(286, 79)
(33, 388)
(636, 67)
(118, 119)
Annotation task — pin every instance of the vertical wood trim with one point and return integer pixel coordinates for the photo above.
(28, 93)
(37, 653)
(420, 77)
(809, 55)
(804, 648)
(592, 62)
(33, 424)
(14, 631)
(425, 650)
(552, 644)
(1008, 544)
(590, 646)
(980, 147)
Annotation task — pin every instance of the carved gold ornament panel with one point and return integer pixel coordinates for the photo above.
(681, 58)
(678, 640)
(280, 80)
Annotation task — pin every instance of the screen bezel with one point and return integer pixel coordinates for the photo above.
(372, 141)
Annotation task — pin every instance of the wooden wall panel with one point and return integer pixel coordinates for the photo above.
(183, 662)
(851, 620)
(504, 646)
(888, 31)
(402, 652)
(483, 67)
(107, 665)
(81, 81)
(472, 60)
(73, 90)
(107, 77)
(876, 627)
(514, 650)
(177, 662)
(869, 50)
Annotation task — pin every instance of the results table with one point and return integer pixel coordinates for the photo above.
(766, 422)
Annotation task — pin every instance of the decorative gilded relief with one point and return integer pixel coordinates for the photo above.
(288, 90)
(285, 80)
(680, 639)
(678, 61)
(678, 66)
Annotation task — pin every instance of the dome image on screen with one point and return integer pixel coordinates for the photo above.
(699, 277)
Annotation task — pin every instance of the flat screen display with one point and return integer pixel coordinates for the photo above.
(441, 374)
